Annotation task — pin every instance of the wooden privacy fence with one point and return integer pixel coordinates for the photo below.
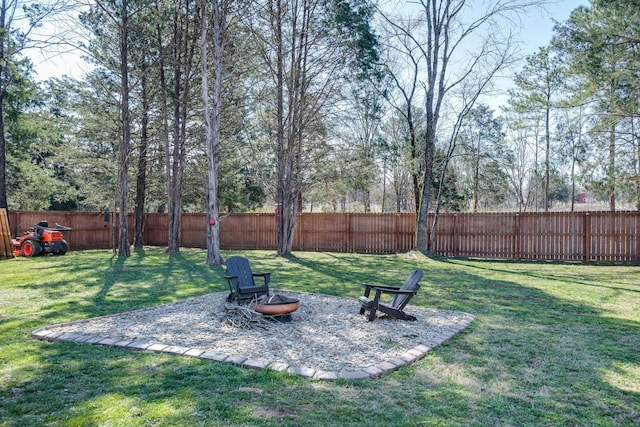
(555, 236)
(5, 235)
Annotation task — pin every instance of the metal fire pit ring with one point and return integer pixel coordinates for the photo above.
(277, 306)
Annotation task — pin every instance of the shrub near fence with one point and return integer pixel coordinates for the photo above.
(555, 236)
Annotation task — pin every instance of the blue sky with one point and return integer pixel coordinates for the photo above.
(536, 32)
(538, 26)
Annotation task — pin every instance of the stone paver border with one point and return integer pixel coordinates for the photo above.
(384, 367)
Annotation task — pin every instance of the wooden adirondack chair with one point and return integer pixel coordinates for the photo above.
(242, 282)
(401, 296)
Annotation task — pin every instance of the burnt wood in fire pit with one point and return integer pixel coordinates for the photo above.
(276, 305)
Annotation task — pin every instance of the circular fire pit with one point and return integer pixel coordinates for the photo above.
(277, 305)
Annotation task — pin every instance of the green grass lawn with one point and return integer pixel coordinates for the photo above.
(551, 344)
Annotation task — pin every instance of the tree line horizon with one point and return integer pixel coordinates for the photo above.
(235, 106)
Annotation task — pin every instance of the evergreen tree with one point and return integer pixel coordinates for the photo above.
(482, 152)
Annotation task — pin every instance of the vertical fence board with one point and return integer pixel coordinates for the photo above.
(6, 251)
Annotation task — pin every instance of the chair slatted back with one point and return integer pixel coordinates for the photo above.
(239, 266)
(411, 284)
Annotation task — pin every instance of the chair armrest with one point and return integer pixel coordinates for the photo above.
(382, 287)
(367, 289)
(231, 280)
(395, 291)
(389, 290)
(265, 276)
(379, 288)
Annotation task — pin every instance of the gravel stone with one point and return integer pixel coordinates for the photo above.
(327, 338)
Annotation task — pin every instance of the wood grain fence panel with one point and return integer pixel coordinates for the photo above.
(405, 232)
(193, 230)
(596, 234)
(568, 236)
(481, 235)
(575, 227)
(6, 251)
(625, 238)
(359, 237)
(362, 233)
(330, 232)
(635, 240)
(89, 230)
(383, 234)
(622, 247)
(387, 242)
(267, 231)
(631, 237)
(321, 232)
(525, 236)
(441, 239)
(239, 232)
(156, 226)
(601, 226)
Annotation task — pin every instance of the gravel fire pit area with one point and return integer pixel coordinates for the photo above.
(326, 338)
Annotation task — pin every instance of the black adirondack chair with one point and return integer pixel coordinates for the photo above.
(241, 279)
(401, 296)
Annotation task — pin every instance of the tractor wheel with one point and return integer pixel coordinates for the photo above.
(31, 248)
(64, 248)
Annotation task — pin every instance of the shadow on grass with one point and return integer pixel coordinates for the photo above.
(559, 360)
(343, 274)
(530, 358)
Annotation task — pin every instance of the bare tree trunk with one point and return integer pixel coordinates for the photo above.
(408, 92)
(114, 227)
(3, 151)
(384, 185)
(415, 172)
(476, 181)
(637, 162)
(164, 112)
(573, 184)
(174, 174)
(124, 247)
(141, 180)
(276, 27)
(445, 33)
(574, 161)
(422, 243)
(612, 168)
(547, 154)
(4, 78)
(212, 119)
(304, 84)
(183, 47)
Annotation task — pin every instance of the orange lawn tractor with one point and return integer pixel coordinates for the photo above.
(41, 240)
